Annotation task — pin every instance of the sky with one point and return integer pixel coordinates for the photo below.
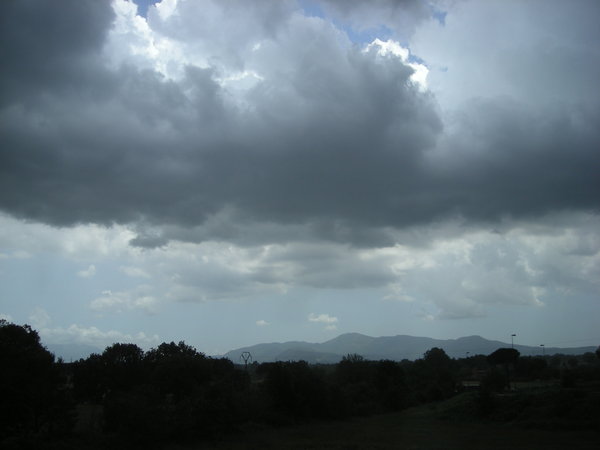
(231, 173)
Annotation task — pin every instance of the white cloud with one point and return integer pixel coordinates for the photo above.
(87, 273)
(455, 270)
(166, 8)
(134, 272)
(329, 321)
(17, 254)
(23, 240)
(492, 49)
(323, 318)
(94, 336)
(262, 323)
(6, 317)
(40, 318)
(118, 302)
(463, 275)
(391, 47)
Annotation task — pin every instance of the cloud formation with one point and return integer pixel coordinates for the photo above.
(444, 153)
(95, 336)
(330, 322)
(137, 299)
(296, 127)
(87, 273)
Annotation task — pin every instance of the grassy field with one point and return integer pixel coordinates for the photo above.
(425, 427)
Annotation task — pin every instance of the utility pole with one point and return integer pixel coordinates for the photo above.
(246, 357)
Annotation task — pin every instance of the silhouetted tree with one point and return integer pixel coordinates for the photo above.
(352, 368)
(504, 357)
(180, 394)
(390, 382)
(530, 368)
(89, 379)
(31, 397)
(355, 377)
(295, 391)
(122, 366)
(433, 376)
(118, 368)
(589, 358)
(437, 359)
(177, 369)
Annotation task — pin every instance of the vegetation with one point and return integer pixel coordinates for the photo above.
(32, 393)
(126, 397)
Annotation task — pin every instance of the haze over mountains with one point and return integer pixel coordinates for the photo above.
(374, 348)
(73, 352)
(385, 347)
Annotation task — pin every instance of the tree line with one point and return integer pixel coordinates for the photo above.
(173, 393)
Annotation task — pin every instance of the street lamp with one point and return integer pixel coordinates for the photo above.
(467, 355)
(512, 345)
(543, 349)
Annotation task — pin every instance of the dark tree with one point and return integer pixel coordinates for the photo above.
(122, 364)
(118, 368)
(177, 368)
(352, 368)
(530, 367)
(353, 358)
(504, 357)
(294, 390)
(390, 382)
(432, 377)
(437, 359)
(89, 380)
(31, 399)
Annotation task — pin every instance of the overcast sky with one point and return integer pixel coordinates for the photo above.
(234, 172)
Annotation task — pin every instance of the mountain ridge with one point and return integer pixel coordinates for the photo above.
(396, 348)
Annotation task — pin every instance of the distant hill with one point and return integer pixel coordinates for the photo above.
(72, 352)
(386, 347)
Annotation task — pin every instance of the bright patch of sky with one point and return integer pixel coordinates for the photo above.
(143, 5)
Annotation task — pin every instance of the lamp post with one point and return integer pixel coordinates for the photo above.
(512, 345)
(467, 354)
(543, 349)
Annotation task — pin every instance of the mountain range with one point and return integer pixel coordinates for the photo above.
(375, 348)
(387, 347)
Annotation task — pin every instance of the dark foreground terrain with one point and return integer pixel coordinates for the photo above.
(424, 427)
(173, 397)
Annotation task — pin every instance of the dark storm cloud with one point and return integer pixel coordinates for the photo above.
(333, 142)
(49, 46)
(507, 160)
